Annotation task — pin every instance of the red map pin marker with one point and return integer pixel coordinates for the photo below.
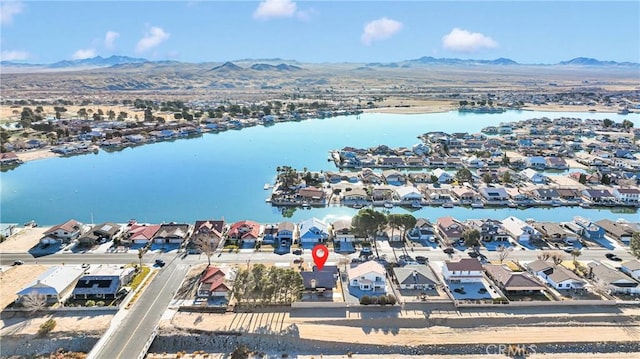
(320, 254)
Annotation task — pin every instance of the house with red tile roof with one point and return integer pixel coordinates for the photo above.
(9, 158)
(212, 283)
(141, 233)
(244, 231)
(64, 232)
(449, 230)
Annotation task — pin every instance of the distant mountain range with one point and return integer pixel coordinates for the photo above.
(266, 64)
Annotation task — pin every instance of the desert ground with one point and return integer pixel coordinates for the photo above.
(24, 240)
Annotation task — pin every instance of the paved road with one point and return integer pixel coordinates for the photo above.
(128, 341)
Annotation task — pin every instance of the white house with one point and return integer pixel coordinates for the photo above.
(533, 176)
(312, 231)
(612, 279)
(56, 284)
(494, 193)
(558, 276)
(64, 232)
(368, 276)
(519, 229)
(341, 231)
(464, 271)
(632, 268)
(171, 233)
(627, 195)
(409, 194)
(423, 231)
(442, 175)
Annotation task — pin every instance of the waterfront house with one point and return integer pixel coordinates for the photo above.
(463, 271)
(284, 236)
(568, 194)
(367, 276)
(210, 229)
(269, 233)
(442, 175)
(62, 233)
(585, 228)
(436, 162)
(612, 279)
(9, 158)
(175, 233)
(494, 193)
(342, 232)
(449, 230)
(622, 232)
(464, 195)
(355, 196)
(517, 196)
(313, 231)
(102, 282)
(101, 233)
(598, 195)
(408, 194)
(554, 232)
(312, 195)
(244, 232)
(55, 284)
(390, 162)
(556, 276)
(413, 161)
(627, 195)
(490, 230)
(532, 176)
(423, 231)
(556, 163)
(367, 176)
(393, 177)
(535, 162)
(545, 194)
(382, 194)
(510, 282)
(519, 230)
(631, 268)
(141, 233)
(212, 283)
(414, 277)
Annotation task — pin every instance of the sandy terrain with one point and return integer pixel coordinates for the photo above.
(15, 278)
(74, 322)
(33, 155)
(24, 240)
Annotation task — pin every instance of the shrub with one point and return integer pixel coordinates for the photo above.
(374, 299)
(391, 299)
(90, 303)
(382, 300)
(240, 352)
(100, 303)
(365, 300)
(46, 327)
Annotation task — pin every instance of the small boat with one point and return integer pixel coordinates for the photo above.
(267, 186)
(305, 205)
(268, 200)
(447, 205)
(358, 206)
(477, 205)
(388, 205)
(512, 205)
(585, 205)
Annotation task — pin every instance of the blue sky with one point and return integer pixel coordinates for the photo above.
(320, 31)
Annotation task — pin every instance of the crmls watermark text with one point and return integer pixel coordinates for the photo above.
(511, 350)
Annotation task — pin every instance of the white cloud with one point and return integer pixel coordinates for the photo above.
(380, 29)
(14, 55)
(8, 9)
(269, 9)
(110, 39)
(154, 37)
(84, 54)
(460, 40)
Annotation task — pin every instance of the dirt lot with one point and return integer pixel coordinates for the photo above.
(69, 322)
(23, 240)
(15, 278)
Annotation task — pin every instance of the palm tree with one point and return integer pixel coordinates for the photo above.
(575, 254)
(141, 253)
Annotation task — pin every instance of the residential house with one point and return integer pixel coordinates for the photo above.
(244, 232)
(210, 229)
(535, 162)
(382, 194)
(212, 283)
(313, 231)
(556, 276)
(490, 230)
(320, 282)
(511, 282)
(449, 230)
(621, 232)
(394, 177)
(442, 175)
(175, 233)
(141, 233)
(342, 232)
(9, 158)
(598, 195)
(464, 195)
(393, 162)
(585, 228)
(519, 229)
(632, 268)
(532, 176)
(269, 234)
(463, 271)
(367, 176)
(408, 194)
(556, 163)
(312, 195)
(355, 196)
(612, 279)
(494, 193)
(368, 276)
(62, 233)
(627, 195)
(545, 194)
(101, 233)
(415, 277)
(285, 233)
(568, 194)
(102, 282)
(55, 284)
(423, 231)
(554, 232)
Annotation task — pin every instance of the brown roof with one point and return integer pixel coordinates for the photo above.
(465, 264)
(68, 226)
(510, 280)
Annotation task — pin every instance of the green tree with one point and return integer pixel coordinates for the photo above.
(634, 245)
(487, 178)
(471, 238)
(46, 327)
(582, 179)
(463, 175)
(575, 254)
(626, 124)
(505, 160)
(506, 177)
(607, 123)
(367, 222)
(407, 222)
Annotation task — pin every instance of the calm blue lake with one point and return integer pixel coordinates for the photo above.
(222, 175)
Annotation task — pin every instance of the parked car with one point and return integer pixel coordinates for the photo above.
(406, 258)
(613, 257)
(473, 254)
(421, 260)
(297, 252)
(568, 249)
(448, 250)
(160, 263)
(18, 262)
